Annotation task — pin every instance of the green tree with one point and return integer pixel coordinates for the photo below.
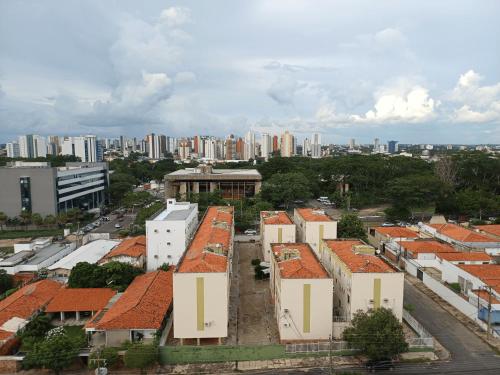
(25, 217)
(120, 275)
(55, 353)
(109, 355)
(378, 334)
(6, 281)
(141, 356)
(34, 331)
(131, 199)
(49, 220)
(86, 275)
(476, 202)
(415, 191)
(37, 219)
(62, 218)
(350, 226)
(283, 189)
(3, 219)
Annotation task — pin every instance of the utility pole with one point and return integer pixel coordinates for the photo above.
(489, 313)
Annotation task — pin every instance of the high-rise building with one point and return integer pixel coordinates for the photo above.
(266, 146)
(376, 144)
(316, 145)
(230, 148)
(157, 145)
(26, 147)
(240, 149)
(306, 147)
(392, 147)
(184, 150)
(352, 143)
(84, 147)
(276, 145)
(210, 148)
(249, 151)
(13, 149)
(287, 144)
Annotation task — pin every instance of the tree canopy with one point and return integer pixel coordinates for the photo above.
(116, 275)
(350, 226)
(284, 188)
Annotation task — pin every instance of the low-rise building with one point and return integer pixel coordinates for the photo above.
(131, 250)
(144, 309)
(302, 291)
(380, 236)
(169, 233)
(92, 252)
(79, 304)
(203, 277)
(232, 183)
(275, 227)
(422, 250)
(492, 230)
(313, 225)
(362, 281)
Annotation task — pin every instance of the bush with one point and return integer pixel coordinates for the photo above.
(255, 262)
(455, 287)
(141, 356)
(109, 356)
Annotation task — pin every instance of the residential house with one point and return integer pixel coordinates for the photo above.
(313, 225)
(380, 236)
(131, 250)
(275, 227)
(492, 230)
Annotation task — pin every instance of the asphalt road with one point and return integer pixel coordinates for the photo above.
(109, 226)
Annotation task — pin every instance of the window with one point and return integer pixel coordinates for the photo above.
(348, 299)
(168, 243)
(156, 230)
(25, 184)
(168, 230)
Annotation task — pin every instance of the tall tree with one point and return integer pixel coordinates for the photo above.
(283, 189)
(350, 226)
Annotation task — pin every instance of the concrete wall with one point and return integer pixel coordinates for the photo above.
(270, 234)
(206, 304)
(117, 337)
(312, 232)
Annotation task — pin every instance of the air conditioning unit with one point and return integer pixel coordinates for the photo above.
(208, 324)
(286, 311)
(286, 325)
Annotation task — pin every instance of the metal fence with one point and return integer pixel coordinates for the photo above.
(317, 347)
(425, 339)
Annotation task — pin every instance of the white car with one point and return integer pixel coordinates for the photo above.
(117, 226)
(250, 232)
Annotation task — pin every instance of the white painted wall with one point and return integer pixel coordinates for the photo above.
(309, 231)
(269, 234)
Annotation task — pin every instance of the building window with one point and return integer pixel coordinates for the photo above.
(168, 243)
(25, 184)
(348, 299)
(168, 230)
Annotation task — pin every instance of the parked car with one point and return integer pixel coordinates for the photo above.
(250, 232)
(379, 365)
(386, 224)
(117, 226)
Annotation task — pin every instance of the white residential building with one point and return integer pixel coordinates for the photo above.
(314, 225)
(249, 146)
(275, 227)
(287, 144)
(13, 150)
(169, 233)
(84, 147)
(302, 291)
(316, 145)
(266, 146)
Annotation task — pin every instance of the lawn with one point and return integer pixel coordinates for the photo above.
(9, 234)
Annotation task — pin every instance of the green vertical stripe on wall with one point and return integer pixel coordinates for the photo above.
(200, 303)
(307, 308)
(321, 233)
(280, 235)
(377, 286)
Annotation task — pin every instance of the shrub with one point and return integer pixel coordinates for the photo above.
(455, 287)
(141, 356)
(109, 357)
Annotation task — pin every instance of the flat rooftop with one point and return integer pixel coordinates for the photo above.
(215, 174)
(181, 212)
(275, 218)
(33, 257)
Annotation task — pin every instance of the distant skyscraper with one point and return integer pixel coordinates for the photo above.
(240, 148)
(249, 150)
(184, 149)
(230, 148)
(306, 147)
(276, 145)
(392, 147)
(352, 143)
(210, 148)
(266, 146)
(26, 149)
(316, 145)
(157, 146)
(84, 147)
(13, 149)
(287, 144)
(376, 144)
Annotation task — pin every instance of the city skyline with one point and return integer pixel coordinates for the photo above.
(362, 70)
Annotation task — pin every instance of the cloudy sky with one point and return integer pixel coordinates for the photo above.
(414, 71)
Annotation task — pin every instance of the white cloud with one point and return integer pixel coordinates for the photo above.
(176, 16)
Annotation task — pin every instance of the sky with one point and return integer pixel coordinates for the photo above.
(412, 71)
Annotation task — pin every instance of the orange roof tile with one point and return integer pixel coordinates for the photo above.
(210, 245)
(357, 262)
(133, 247)
(486, 296)
(426, 246)
(460, 233)
(27, 300)
(302, 264)
(143, 305)
(397, 232)
(80, 299)
(493, 229)
(310, 214)
(488, 273)
(275, 217)
(462, 256)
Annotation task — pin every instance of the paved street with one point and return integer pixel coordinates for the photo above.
(109, 226)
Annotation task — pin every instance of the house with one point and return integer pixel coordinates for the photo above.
(380, 236)
(422, 250)
(492, 230)
(275, 227)
(302, 293)
(462, 238)
(90, 253)
(313, 225)
(21, 306)
(138, 314)
(76, 304)
(169, 233)
(202, 279)
(131, 250)
(362, 281)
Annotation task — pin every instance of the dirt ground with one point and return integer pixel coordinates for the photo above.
(256, 321)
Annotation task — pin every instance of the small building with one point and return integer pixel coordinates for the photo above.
(131, 250)
(21, 306)
(492, 230)
(78, 304)
(362, 281)
(90, 253)
(380, 236)
(313, 225)
(275, 227)
(202, 279)
(169, 233)
(138, 314)
(302, 291)
(421, 250)
(232, 183)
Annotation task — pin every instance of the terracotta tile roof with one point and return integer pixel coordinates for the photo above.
(210, 245)
(493, 229)
(132, 247)
(27, 300)
(459, 233)
(143, 305)
(488, 273)
(310, 214)
(275, 217)
(302, 264)
(462, 256)
(485, 296)
(80, 299)
(397, 232)
(426, 246)
(357, 262)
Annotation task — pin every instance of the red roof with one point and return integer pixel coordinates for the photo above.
(311, 214)
(493, 229)
(210, 245)
(397, 232)
(132, 247)
(298, 261)
(143, 305)
(80, 299)
(275, 217)
(483, 294)
(426, 246)
(357, 262)
(488, 273)
(461, 234)
(462, 256)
